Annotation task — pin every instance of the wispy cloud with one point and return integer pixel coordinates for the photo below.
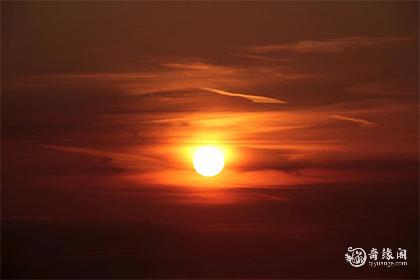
(173, 75)
(358, 121)
(253, 98)
(189, 66)
(263, 58)
(330, 45)
(121, 160)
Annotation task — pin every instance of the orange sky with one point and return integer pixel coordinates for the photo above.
(287, 113)
(102, 106)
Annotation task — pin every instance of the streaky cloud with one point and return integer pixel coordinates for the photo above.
(122, 160)
(335, 45)
(358, 121)
(253, 98)
(189, 66)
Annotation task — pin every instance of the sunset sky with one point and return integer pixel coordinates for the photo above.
(314, 104)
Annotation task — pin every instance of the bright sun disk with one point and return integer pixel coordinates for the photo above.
(208, 161)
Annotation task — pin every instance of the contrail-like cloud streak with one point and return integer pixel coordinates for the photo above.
(253, 98)
(358, 121)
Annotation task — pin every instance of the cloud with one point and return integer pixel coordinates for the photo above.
(178, 74)
(189, 66)
(253, 98)
(263, 58)
(330, 45)
(121, 160)
(359, 121)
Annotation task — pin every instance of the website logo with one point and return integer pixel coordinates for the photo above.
(357, 257)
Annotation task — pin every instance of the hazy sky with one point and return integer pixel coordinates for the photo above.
(315, 104)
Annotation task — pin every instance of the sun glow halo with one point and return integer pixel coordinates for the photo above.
(208, 161)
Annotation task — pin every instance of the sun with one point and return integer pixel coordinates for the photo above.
(208, 161)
